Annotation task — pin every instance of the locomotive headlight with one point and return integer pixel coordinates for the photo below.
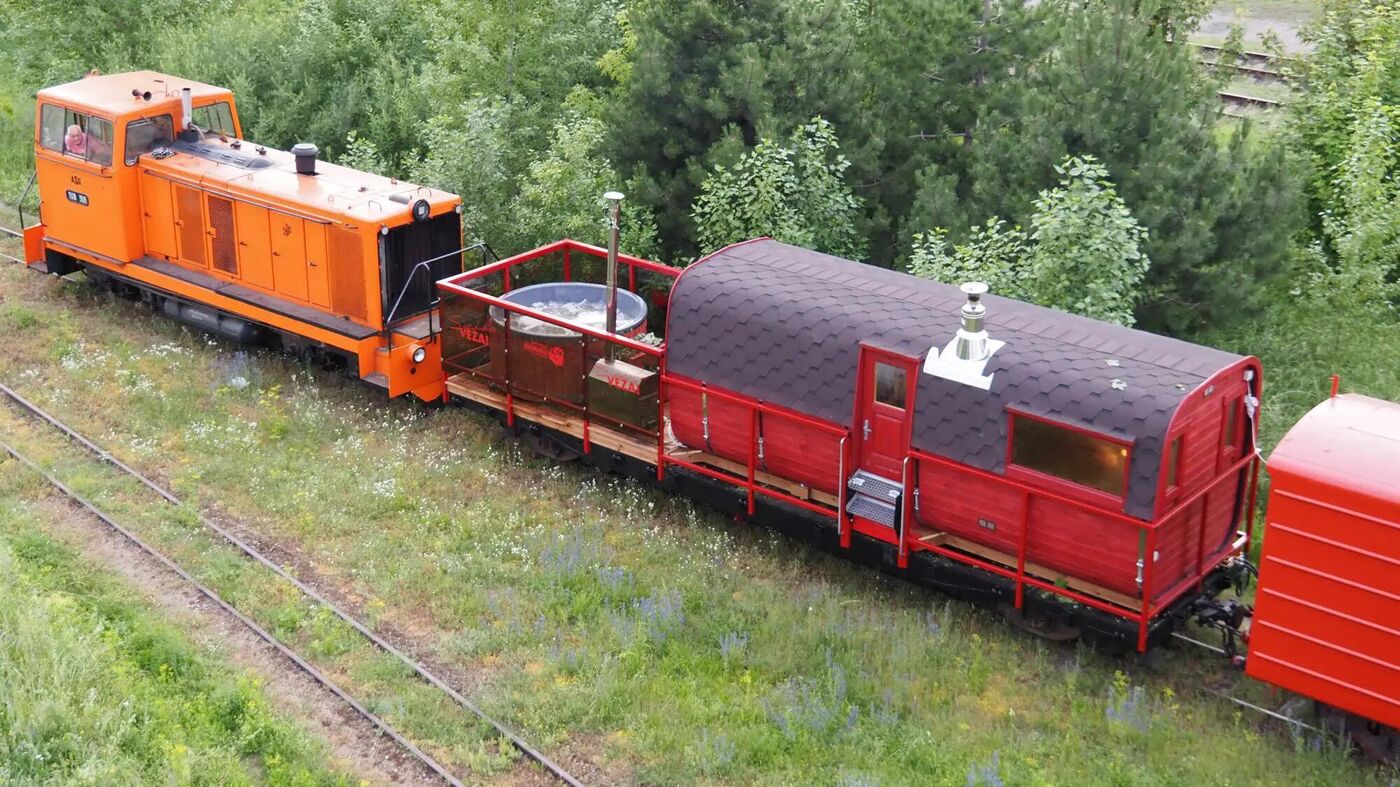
(419, 354)
(422, 210)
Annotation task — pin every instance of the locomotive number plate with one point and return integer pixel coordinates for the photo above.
(78, 197)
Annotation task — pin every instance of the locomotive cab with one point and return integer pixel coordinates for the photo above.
(146, 183)
(90, 138)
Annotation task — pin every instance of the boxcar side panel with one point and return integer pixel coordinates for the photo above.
(1327, 615)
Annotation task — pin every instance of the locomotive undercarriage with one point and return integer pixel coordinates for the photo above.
(229, 326)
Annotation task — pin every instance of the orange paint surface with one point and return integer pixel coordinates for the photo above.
(1327, 617)
(237, 215)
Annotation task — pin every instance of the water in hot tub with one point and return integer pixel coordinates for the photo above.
(589, 314)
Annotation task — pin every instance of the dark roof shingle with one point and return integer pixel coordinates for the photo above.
(784, 324)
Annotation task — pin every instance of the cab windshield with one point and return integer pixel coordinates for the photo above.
(147, 134)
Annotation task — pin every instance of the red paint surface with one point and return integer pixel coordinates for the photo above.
(1327, 615)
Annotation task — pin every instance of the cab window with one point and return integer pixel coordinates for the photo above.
(147, 134)
(215, 118)
(51, 128)
(76, 134)
(1069, 454)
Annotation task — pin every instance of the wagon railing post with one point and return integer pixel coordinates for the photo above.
(1021, 548)
(1147, 563)
(753, 452)
(843, 528)
(906, 506)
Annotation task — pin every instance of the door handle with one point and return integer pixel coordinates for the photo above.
(865, 429)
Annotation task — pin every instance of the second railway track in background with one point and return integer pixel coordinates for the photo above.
(33, 410)
(1254, 65)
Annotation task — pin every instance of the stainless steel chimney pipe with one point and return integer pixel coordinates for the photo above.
(614, 228)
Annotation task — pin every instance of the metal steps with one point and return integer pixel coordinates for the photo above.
(875, 486)
(877, 511)
(874, 498)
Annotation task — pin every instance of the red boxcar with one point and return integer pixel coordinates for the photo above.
(1079, 447)
(1327, 617)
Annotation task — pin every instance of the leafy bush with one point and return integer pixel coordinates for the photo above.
(1083, 255)
(792, 192)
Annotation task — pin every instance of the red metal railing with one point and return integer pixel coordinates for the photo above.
(750, 482)
(460, 286)
(1143, 614)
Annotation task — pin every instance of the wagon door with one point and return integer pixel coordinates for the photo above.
(884, 399)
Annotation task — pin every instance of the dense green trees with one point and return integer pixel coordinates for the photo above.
(951, 114)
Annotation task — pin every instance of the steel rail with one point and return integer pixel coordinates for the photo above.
(251, 624)
(516, 740)
(11, 233)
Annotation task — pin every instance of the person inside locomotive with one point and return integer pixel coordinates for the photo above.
(78, 142)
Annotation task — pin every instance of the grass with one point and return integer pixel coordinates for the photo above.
(95, 688)
(661, 642)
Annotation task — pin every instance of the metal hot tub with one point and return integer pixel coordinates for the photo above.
(547, 360)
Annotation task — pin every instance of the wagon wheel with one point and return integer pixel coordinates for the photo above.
(1045, 628)
(1377, 741)
(548, 447)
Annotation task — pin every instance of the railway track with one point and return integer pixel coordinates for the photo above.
(1241, 101)
(1253, 64)
(38, 413)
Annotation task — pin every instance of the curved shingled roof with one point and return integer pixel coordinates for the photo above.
(784, 324)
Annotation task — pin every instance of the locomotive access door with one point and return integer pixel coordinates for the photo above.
(884, 405)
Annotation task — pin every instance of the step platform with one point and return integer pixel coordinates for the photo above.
(874, 498)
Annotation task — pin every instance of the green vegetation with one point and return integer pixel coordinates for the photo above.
(96, 689)
(607, 621)
(1083, 254)
(629, 630)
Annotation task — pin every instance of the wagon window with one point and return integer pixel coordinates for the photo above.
(1069, 454)
(1173, 462)
(889, 385)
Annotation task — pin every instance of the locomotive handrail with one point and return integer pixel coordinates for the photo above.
(25, 195)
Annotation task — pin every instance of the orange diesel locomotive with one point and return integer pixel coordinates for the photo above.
(147, 184)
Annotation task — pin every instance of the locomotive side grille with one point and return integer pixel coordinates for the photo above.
(347, 273)
(191, 221)
(221, 220)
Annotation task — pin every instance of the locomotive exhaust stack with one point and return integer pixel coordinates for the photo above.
(186, 108)
(305, 153)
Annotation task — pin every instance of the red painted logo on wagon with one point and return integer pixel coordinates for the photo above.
(473, 333)
(554, 355)
(624, 384)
